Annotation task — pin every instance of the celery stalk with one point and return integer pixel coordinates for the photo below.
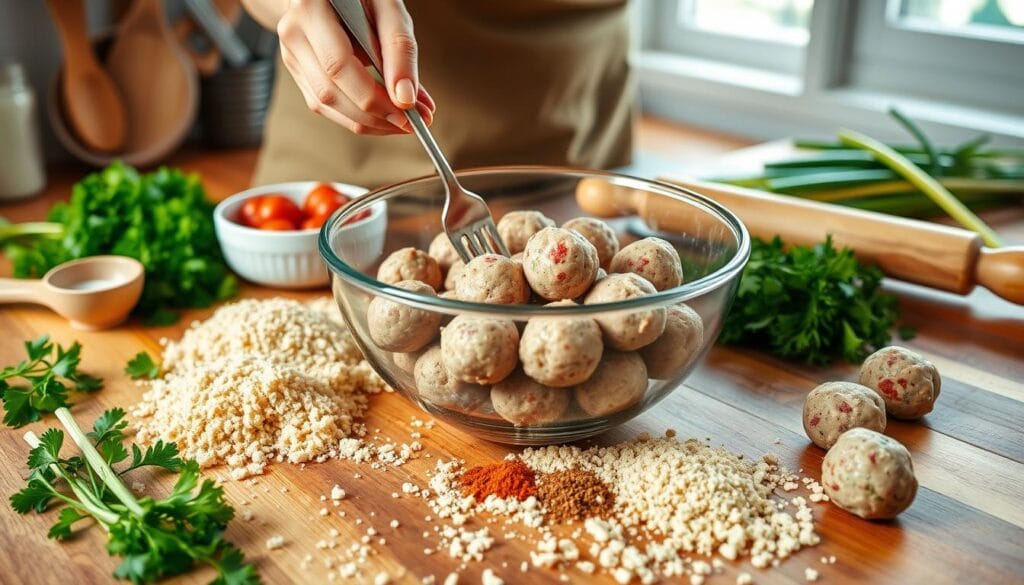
(923, 181)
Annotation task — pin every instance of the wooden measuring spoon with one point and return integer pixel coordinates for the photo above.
(156, 77)
(93, 293)
(930, 254)
(90, 99)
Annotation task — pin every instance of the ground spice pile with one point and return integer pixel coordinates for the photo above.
(505, 480)
(259, 381)
(574, 494)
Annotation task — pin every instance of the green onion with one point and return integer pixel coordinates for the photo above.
(926, 183)
(926, 145)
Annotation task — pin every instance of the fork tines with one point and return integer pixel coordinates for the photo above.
(480, 237)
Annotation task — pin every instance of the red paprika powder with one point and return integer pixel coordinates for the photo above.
(508, 479)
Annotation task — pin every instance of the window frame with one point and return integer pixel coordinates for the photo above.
(825, 93)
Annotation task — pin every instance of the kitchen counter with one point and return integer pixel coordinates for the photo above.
(966, 525)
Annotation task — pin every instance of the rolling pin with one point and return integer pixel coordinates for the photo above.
(933, 255)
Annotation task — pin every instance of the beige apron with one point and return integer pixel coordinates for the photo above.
(515, 81)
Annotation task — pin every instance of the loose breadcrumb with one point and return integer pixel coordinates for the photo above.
(275, 542)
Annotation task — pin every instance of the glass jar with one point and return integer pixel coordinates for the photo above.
(21, 154)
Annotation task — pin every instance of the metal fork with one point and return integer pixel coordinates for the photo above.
(466, 217)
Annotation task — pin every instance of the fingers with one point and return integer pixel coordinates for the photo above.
(319, 55)
(398, 51)
(325, 98)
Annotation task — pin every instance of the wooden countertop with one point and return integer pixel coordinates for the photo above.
(967, 524)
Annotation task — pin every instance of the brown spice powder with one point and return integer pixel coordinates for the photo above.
(575, 494)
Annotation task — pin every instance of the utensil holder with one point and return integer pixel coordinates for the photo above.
(234, 104)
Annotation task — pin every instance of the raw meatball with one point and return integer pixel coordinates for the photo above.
(560, 351)
(652, 258)
(437, 386)
(516, 227)
(618, 383)
(559, 264)
(869, 474)
(523, 401)
(492, 278)
(908, 383)
(395, 326)
(451, 279)
(598, 233)
(628, 331)
(678, 346)
(480, 350)
(441, 249)
(406, 361)
(833, 408)
(410, 264)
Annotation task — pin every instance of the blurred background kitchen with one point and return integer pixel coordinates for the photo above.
(712, 75)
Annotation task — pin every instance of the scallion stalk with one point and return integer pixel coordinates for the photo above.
(923, 181)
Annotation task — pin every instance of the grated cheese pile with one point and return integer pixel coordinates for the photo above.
(259, 381)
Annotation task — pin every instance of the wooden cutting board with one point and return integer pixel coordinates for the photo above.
(967, 524)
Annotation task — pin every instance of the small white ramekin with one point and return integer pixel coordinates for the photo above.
(288, 259)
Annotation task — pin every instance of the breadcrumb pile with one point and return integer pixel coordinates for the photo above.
(259, 381)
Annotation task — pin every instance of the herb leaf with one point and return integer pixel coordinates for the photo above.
(142, 366)
(44, 391)
(810, 304)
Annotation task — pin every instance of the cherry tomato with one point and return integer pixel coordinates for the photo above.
(249, 214)
(314, 222)
(323, 200)
(357, 217)
(277, 225)
(278, 207)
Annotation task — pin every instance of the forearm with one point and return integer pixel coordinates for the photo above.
(266, 12)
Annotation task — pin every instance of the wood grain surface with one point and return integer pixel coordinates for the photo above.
(966, 525)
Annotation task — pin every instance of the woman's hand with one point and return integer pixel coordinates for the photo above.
(329, 67)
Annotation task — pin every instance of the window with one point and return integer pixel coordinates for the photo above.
(768, 68)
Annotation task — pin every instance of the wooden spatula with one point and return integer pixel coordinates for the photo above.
(156, 78)
(933, 255)
(89, 98)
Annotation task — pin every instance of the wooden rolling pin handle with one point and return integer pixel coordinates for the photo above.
(1001, 271)
(933, 255)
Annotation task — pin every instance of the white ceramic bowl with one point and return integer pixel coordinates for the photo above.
(290, 259)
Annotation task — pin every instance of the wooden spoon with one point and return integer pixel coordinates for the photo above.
(929, 254)
(156, 78)
(93, 293)
(90, 99)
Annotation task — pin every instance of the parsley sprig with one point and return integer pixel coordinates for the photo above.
(142, 366)
(810, 304)
(45, 381)
(155, 538)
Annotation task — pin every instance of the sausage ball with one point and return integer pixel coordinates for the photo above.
(516, 228)
(395, 326)
(559, 264)
(598, 233)
(495, 279)
(406, 361)
(441, 249)
(618, 383)
(652, 258)
(451, 279)
(410, 264)
(678, 346)
(560, 351)
(833, 408)
(480, 350)
(523, 401)
(628, 331)
(908, 383)
(869, 474)
(437, 386)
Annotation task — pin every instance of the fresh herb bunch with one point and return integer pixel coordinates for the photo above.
(155, 538)
(163, 219)
(46, 378)
(810, 304)
(142, 366)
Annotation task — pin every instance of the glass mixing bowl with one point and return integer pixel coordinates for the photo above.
(712, 243)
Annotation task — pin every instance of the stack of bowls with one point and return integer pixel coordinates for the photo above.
(235, 102)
